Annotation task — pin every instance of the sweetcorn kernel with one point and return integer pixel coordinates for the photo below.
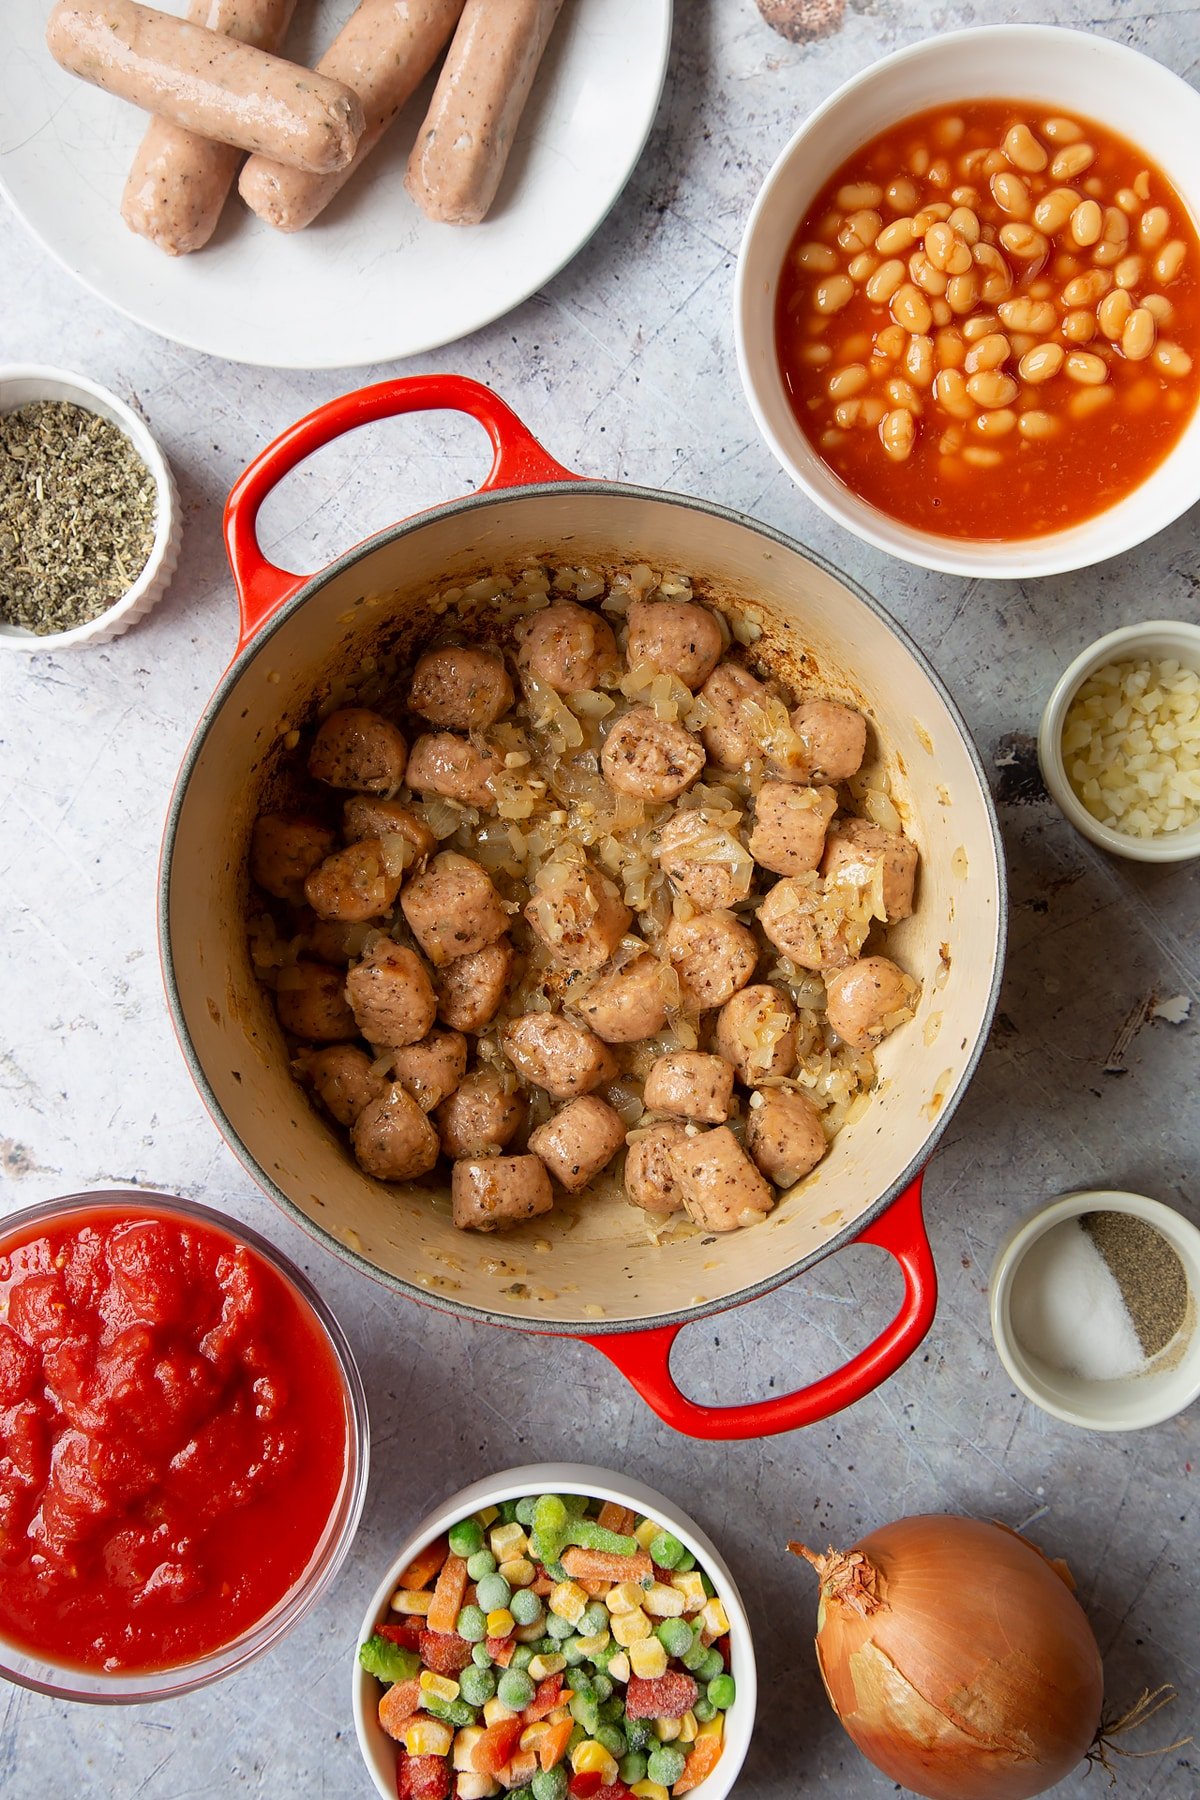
(627, 1628)
(428, 1737)
(646, 1532)
(625, 1597)
(716, 1619)
(464, 1746)
(471, 1785)
(569, 1601)
(487, 1515)
(691, 1586)
(439, 1685)
(592, 1646)
(532, 1735)
(590, 1757)
(663, 1601)
(688, 1728)
(619, 1666)
(500, 1622)
(648, 1658)
(508, 1541)
(666, 1730)
(495, 1712)
(412, 1600)
(714, 1727)
(542, 1666)
(649, 1790)
(518, 1571)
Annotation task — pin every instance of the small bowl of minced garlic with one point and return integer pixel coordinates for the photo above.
(89, 513)
(1119, 743)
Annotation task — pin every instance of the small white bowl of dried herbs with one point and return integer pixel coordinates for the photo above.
(89, 513)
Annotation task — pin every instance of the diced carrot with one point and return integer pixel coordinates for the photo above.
(703, 1758)
(552, 1747)
(594, 1589)
(543, 1585)
(518, 1771)
(398, 1706)
(618, 1518)
(602, 1565)
(448, 1595)
(494, 1749)
(425, 1564)
(501, 1650)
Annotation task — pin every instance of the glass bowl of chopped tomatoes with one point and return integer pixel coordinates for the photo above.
(561, 1631)
(183, 1446)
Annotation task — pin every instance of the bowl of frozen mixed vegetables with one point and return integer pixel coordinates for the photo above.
(555, 1633)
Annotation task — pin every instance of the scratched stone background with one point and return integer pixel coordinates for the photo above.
(624, 366)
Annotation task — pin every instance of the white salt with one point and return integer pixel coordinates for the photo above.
(1067, 1308)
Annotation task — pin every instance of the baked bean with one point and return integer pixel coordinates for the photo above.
(1141, 186)
(910, 308)
(859, 194)
(940, 174)
(833, 293)
(903, 195)
(1021, 314)
(1138, 335)
(1072, 161)
(885, 281)
(940, 311)
(1011, 194)
(980, 457)
(1128, 271)
(1062, 267)
(1041, 363)
(1023, 150)
(990, 389)
(847, 413)
(950, 442)
(962, 292)
(1022, 341)
(1054, 209)
(1079, 327)
(997, 280)
(862, 266)
(1035, 424)
(996, 424)
(1085, 290)
(1086, 368)
(1087, 222)
(901, 234)
(1113, 239)
(949, 350)
(1112, 313)
(892, 341)
(845, 382)
(816, 355)
(1159, 305)
(918, 360)
(817, 259)
(1089, 400)
(831, 439)
(859, 230)
(988, 352)
(964, 196)
(965, 222)
(1025, 242)
(931, 214)
(1172, 359)
(1153, 227)
(870, 411)
(940, 240)
(1170, 260)
(950, 391)
(1061, 131)
(1128, 201)
(901, 394)
(948, 132)
(931, 281)
(994, 162)
(979, 326)
(898, 434)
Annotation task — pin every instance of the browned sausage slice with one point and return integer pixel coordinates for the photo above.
(789, 826)
(869, 999)
(630, 1004)
(784, 1135)
(454, 767)
(364, 815)
(568, 648)
(833, 737)
(391, 994)
(713, 957)
(432, 1068)
(482, 1114)
(471, 989)
(452, 908)
(650, 1181)
(284, 850)
(676, 637)
(343, 1078)
(311, 1004)
(461, 686)
(704, 861)
(555, 1054)
(577, 912)
(691, 1084)
(727, 736)
(359, 749)
(854, 850)
(392, 1138)
(810, 922)
(721, 1187)
(358, 883)
(491, 1192)
(756, 1032)
(578, 1141)
(649, 757)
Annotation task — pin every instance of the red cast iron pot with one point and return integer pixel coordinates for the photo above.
(602, 1280)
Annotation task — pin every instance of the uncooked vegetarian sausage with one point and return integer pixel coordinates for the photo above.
(432, 1068)
(650, 1181)
(208, 83)
(561, 1057)
(692, 1085)
(452, 908)
(577, 912)
(675, 636)
(493, 1191)
(481, 1115)
(628, 1005)
(756, 1032)
(704, 861)
(789, 826)
(869, 999)
(284, 851)
(720, 1186)
(343, 1079)
(311, 1004)
(713, 957)
(179, 182)
(453, 767)
(834, 739)
(392, 1138)
(471, 988)
(461, 686)
(360, 749)
(463, 146)
(784, 1135)
(855, 848)
(578, 1141)
(568, 648)
(383, 51)
(391, 995)
(358, 883)
(649, 757)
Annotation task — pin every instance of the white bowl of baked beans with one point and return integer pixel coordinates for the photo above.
(970, 329)
(1119, 742)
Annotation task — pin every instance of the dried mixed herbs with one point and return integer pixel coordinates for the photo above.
(77, 512)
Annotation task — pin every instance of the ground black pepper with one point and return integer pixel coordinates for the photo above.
(1151, 1278)
(77, 515)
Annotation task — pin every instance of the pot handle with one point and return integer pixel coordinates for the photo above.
(517, 460)
(644, 1357)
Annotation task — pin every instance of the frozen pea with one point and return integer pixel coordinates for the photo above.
(559, 1628)
(466, 1537)
(666, 1550)
(525, 1510)
(481, 1564)
(476, 1685)
(472, 1624)
(481, 1656)
(709, 1589)
(578, 1736)
(712, 1666)
(550, 1784)
(665, 1765)
(521, 1793)
(602, 1686)
(612, 1711)
(675, 1636)
(514, 1689)
(550, 1517)
(572, 1649)
(632, 1767)
(576, 1504)
(522, 1656)
(692, 1659)
(585, 1712)
(493, 1592)
(508, 1512)
(612, 1739)
(703, 1710)
(593, 1621)
(525, 1607)
(722, 1691)
(686, 1563)
(547, 1646)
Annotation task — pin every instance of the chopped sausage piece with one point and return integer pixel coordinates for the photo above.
(789, 826)
(756, 1032)
(567, 647)
(784, 1135)
(311, 1004)
(358, 883)
(391, 994)
(343, 1079)
(855, 848)
(480, 1115)
(720, 1186)
(490, 1192)
(332, 940)
(392, 1138)
(454, 767)
(365, 816)
(431, 1068)
(713, 957)
(727, 736)
(283, 851)
(359, 749)
(834, 739)
(707, 863)
(650, 1181)
(809, 921)
(461, 686)
(649, 757)
(561, 1057)
(869, 999)
(452, 908)
(577, 912)
(676, 636)
(470, 989)
(628, 1005)
(578, 1141)
(692, 1085)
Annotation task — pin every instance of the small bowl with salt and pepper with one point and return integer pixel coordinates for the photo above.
(1094, 1307)
(89, 514)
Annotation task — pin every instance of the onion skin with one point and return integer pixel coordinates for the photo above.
(957, 1659)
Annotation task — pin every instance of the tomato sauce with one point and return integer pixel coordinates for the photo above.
(173, 1439)
(1061, 435)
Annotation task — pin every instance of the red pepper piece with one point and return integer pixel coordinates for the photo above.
(726, 1649)
(544, 1700)
(667, 1696)
(408, 1635)
(494, 1749)
(616, 1790)
(422, 1778)
(587, 1785)
(444, 1652)
(501, 1650)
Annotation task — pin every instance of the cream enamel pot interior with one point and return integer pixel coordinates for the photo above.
(602, 1280)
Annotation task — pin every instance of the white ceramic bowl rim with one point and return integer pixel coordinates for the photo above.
(603, 1484)
(1155, 638)
(1130, 1404)
(1154, 504)
(85, 393)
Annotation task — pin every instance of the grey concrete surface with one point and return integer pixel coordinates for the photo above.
(624, 366)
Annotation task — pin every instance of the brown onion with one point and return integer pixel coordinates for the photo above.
(957, 1658)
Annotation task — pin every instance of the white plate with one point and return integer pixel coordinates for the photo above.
(371, 280)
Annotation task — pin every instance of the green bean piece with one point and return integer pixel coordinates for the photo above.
(577, 1504)
(590, 1536)
(525, 1606)
(639, 1734)
(612, 1710)
(709, 1589)
(722, 1691)
(666, 1550)
(515, 1689)
(665, 1765)
(466, 1537)
(675, 1636)
(451, 1712)
(550, 1517)
(584, 1711)
(476, 1685)
(481, 1564)
(493, 1592)
(602, 1685)
(555, 1571)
